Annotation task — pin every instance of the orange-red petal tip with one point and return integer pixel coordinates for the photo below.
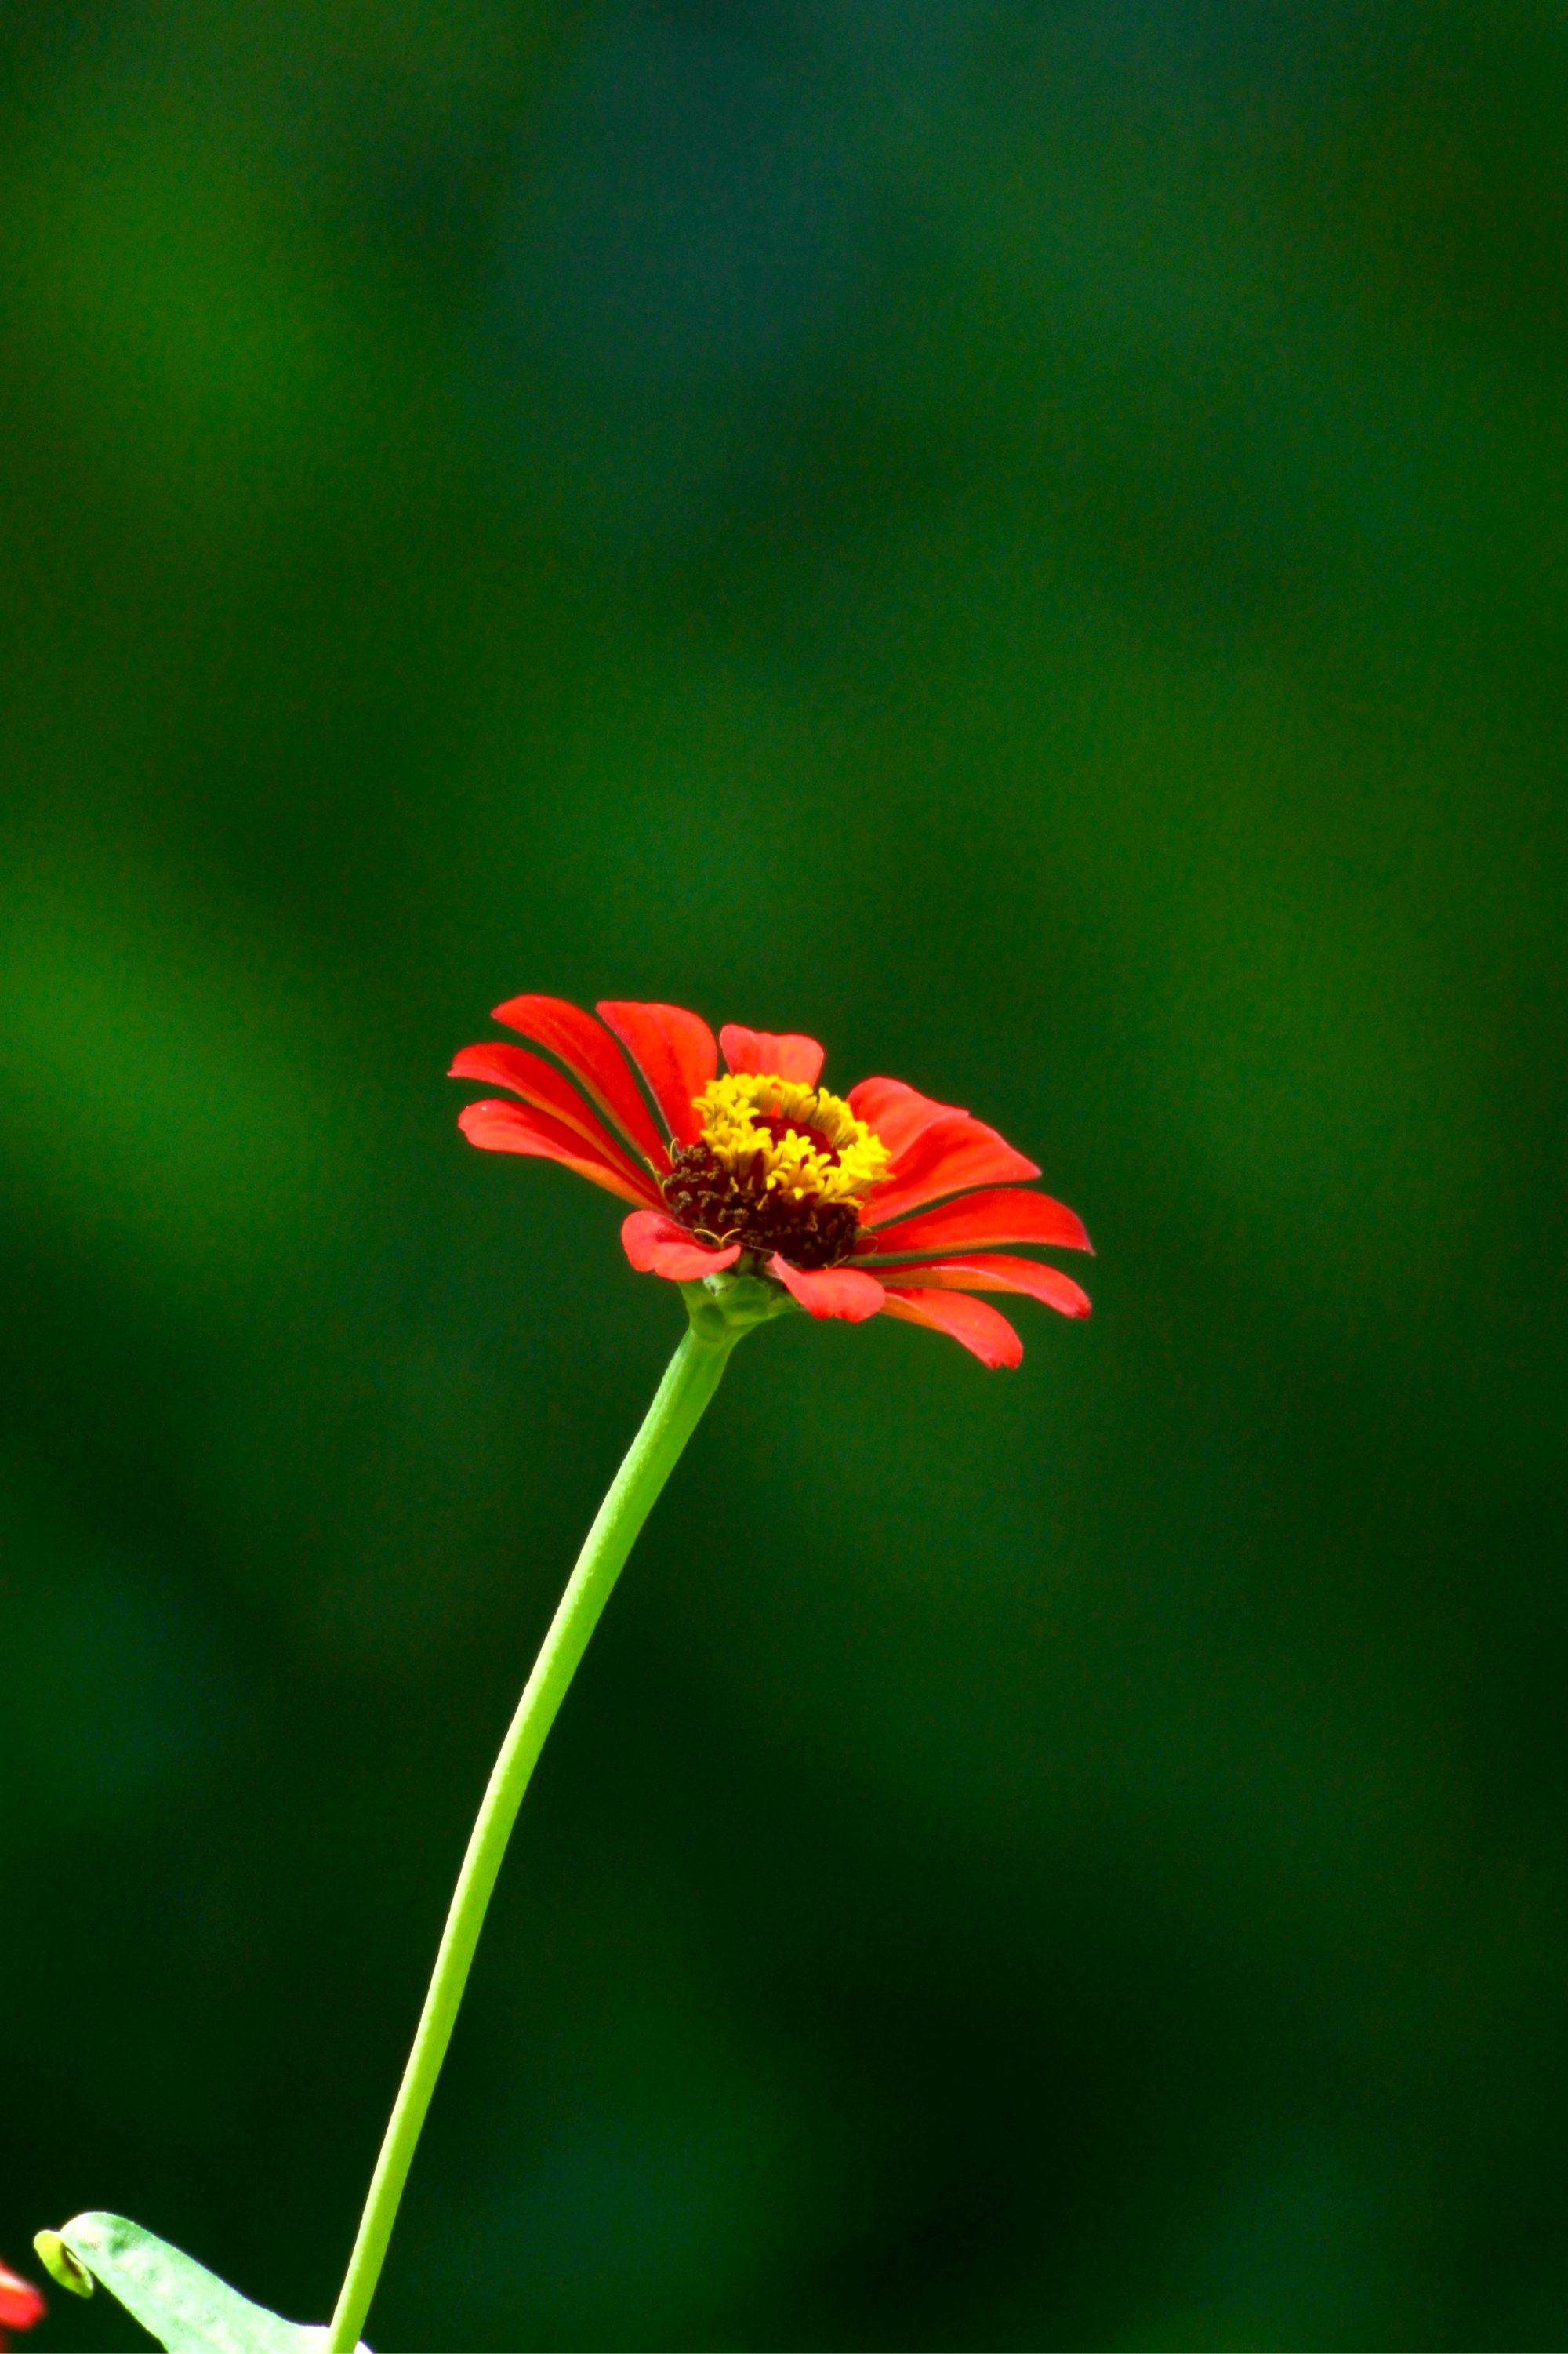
(843, 1291)
(774, 1054)
(21, 2305)
(656, 1246)
(968, 1321)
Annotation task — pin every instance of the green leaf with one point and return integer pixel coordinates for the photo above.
(186, 2308)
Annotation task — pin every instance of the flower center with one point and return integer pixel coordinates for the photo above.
(780, 1166)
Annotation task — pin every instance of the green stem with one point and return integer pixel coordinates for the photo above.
(684, 1391)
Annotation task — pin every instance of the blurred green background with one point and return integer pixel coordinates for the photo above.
(1027, 541)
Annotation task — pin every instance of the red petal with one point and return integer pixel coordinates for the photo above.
(1004, 1217)
(898, 1114)
(592, 1056)
(776, 1054)
(540, 1084)
(831, 1290)
(656, 1246)
(675, 1053)
(507, 1128)
(20, 2303)
(977, 1328)
(950, 1157)
(1026, 1275)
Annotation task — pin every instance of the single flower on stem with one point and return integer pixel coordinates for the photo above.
(833, 1198)
(760, 1194)
(20, 2305)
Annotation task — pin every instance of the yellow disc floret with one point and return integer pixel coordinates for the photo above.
(796, 1141)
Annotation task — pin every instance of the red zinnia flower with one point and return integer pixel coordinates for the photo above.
(20, 2304)
(845, 1201)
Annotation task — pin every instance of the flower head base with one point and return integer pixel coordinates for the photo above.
(779, 1166)
(759, 1191)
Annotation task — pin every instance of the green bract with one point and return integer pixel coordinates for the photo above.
(723, 1307)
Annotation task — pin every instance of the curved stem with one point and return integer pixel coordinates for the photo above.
(685, 1390)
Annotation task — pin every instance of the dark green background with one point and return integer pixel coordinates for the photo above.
(1028, 541)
